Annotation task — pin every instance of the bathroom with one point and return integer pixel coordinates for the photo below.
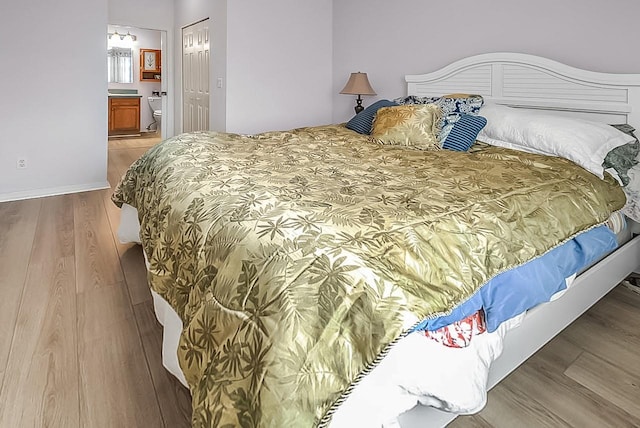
(134, 72)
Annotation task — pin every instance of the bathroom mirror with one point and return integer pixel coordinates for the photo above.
(120, 65)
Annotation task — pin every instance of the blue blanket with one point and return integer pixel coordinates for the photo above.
(522, 288)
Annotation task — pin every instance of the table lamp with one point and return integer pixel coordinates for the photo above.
(358, 84)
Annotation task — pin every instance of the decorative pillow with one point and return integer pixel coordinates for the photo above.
(623, 158)
(412, 99)
(362, 122)
(464, 132)
(452, 105)
(582, 141)
(411, 125)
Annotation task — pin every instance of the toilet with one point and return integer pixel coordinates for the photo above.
(156, 107)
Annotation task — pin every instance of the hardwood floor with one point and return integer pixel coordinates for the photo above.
(588, 376)
(80, 345)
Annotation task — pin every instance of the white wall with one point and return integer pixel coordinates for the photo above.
(279, 64)
(146, 39)
(390, 39)
(53, 107)
(275, 59)
(278, 56)
(151, 14)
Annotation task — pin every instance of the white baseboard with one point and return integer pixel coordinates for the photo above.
(53, 191)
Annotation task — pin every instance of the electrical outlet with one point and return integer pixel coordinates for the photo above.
(21, 163)
(219, 82)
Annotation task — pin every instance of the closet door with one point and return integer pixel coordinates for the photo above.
(196, 59)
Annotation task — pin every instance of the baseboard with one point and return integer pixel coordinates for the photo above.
(53, 191)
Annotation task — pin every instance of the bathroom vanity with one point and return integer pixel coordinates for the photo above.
(124, 114)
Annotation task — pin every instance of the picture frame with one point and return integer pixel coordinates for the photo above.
(149, 61)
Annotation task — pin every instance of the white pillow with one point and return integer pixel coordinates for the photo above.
(582, 141)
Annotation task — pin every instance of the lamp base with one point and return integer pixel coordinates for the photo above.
(358, 107)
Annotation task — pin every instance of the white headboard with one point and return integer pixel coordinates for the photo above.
(532, 82)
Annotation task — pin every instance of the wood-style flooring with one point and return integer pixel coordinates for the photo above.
(80, 345)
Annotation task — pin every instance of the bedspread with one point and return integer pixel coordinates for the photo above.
(297, 259)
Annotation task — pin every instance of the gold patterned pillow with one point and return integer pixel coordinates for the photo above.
(415, 125)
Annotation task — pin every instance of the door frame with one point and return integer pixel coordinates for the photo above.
(167, 129)
(166, 84)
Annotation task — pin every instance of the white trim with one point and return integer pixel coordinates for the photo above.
(527, 60)
(53, 191)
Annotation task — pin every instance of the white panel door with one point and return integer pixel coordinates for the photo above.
(196, 58)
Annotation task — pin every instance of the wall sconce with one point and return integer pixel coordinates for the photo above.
(358, 84)
(124, 37)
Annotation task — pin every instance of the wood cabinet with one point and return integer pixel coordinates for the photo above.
(124, 115)
(150, 65)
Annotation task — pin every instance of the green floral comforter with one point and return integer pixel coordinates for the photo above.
(296, 259)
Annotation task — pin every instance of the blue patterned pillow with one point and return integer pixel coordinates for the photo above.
(452, 107)
(412, 99)
(362, 122)
(464, 132)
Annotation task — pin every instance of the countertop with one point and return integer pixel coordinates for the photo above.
(125, 95)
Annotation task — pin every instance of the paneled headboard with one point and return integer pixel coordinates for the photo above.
(532, 82)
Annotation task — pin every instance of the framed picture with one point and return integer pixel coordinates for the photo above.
(149, 61)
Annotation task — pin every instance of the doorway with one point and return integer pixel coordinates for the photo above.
(144, 86)
(196, 58)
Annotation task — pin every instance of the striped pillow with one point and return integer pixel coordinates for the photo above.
(464, 132)
(362, 122)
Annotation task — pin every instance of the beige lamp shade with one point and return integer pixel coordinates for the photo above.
(358, 84)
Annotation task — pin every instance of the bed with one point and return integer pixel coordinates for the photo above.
(515, 80)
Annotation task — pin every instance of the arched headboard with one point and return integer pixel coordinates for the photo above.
(532, 82)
